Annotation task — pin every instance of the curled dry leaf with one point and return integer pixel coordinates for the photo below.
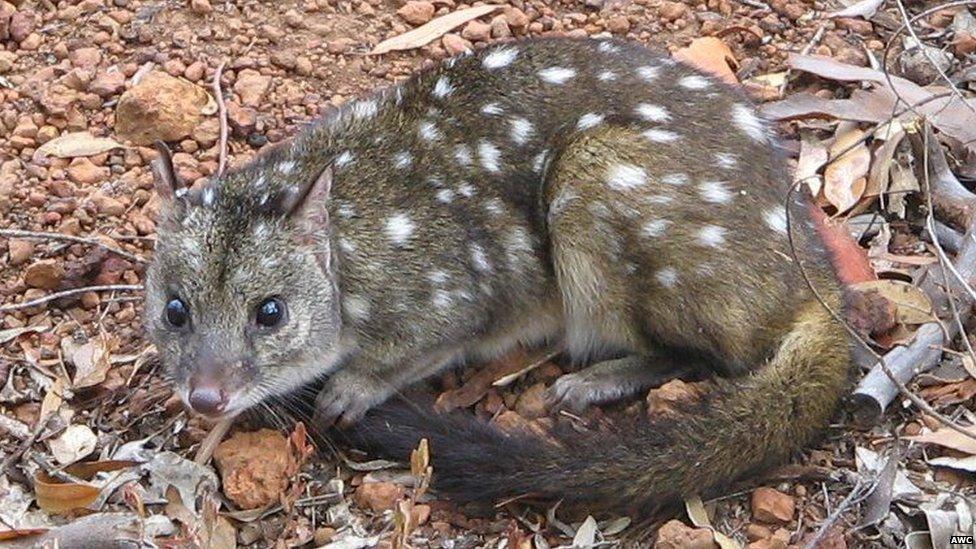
(57, 496)
(427, 33)
(91, 360)
(712, 56)
(845, 177)
(478, 385)
(75, 443)
(699, 517)
(912, 305)
(75, 144)
(813, 156)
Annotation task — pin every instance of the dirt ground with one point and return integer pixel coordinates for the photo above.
(95, 446)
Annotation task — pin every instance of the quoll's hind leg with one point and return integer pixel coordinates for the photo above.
(612, 380)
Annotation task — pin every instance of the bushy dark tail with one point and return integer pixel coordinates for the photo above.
(750, 422)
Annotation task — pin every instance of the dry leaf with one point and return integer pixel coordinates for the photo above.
(813, 155)
(477, 386)
(949, 438)
(56, 496)
(845, 177)
(91, 360)
(13, 333)
(711, 55)
(76, 144)
(765, 87)
(949, 114)
(425, 34)
(864, 8)
(699, 517)
(75, 443)
(912, 305)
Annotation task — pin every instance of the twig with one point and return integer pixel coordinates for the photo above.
(40, 235)
(24, 446)
(814, 40)
(71, 292)
(860, 491)
(210, 442)
(222, 116)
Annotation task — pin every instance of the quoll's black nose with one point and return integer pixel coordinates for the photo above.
(208, 399)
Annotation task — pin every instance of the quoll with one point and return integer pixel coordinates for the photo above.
(586, 192)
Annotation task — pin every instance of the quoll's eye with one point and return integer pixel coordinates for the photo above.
(271, 313)
(177, 313)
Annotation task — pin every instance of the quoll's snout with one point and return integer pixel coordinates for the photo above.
(207, 397)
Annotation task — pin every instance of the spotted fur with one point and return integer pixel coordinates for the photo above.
(594, 193)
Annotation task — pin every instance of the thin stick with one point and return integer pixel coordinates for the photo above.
(860, 491)
(210, 442)
(71, 292)
(40, 235)
(222, 116)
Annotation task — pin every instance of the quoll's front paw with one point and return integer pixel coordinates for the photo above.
(346, 398)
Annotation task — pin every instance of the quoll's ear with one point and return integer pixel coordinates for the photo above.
(307, 202)
(167, 183)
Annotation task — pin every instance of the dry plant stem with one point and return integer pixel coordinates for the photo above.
(71, 292)
(876, 391)
(222, 117)
(860, 491)
(950, 238)
(210, 442)
(855, 336)
(38, 235)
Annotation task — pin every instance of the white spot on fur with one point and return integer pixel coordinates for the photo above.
(495, 207)
(466, 190)
(661, 136)
(402, 160)
(491, 109)
(694, 82)
(343, 159)
(441, 299)
(364, 109)
(428, 131)
(711, 235)
(539, 162)
(437, 277)
(667, 277)
(652, 113)
(347, 246)
(655, 228)
(488, 155)
(261, 230)
(287, 167)
(715, 192)
(589, 120)
(648, 73)
(726, 160)
(659, 199)
(747, 121)
(608, 47)
(209, 196)
(775, 219)
(259, 181)
(676, 179)
(557, 75)
(521, 130)
(346, 210)
(442, 88)
(479, 259)
(399, 228)
(499, 58)
(607, 76)
(462, 153)
(445, 195)
(356, 307)
(625, 176)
